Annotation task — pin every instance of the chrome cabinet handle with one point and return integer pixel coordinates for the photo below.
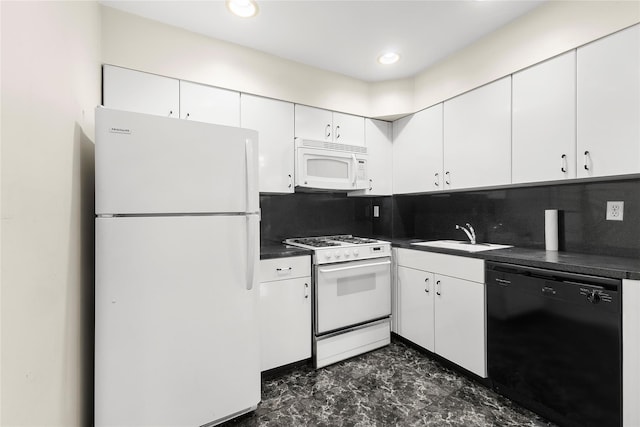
(337, 131)
(438, 288)
(426, 285)
(370, 184)
(437, 180)
(563, 163)
(447, 179)
(170, 113)
(306, 290)
(327, 131)
(290, 181)
(587, 160)
(187, 116)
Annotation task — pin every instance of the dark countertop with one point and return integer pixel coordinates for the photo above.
(596, 265)
(272, 249)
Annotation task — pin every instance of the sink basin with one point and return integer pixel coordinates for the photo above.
(461, 246)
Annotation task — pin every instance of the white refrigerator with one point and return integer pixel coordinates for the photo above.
(177, 248)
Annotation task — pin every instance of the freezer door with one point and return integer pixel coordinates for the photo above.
(151, 164)
(176, 342)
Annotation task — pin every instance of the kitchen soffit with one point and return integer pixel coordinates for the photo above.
(345, 37)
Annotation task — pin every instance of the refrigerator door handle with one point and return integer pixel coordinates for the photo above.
(252, 257)
(251, 176)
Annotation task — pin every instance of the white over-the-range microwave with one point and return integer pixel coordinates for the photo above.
(330, 166)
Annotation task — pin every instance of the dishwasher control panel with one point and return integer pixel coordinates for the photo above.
(595, 296)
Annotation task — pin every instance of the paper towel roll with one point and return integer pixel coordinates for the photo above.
(551, 229)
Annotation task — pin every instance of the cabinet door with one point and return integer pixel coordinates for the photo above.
(417, 152)
(209, 104)
(477, 137)
(313, 123)
(544, 121)
(285, 322)
(380, 155)
(609, 105)
(274, 122)
(415, 314)
(129, 90)
(348, 129)
(460, 323)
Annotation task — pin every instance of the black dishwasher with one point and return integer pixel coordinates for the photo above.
(554, 343)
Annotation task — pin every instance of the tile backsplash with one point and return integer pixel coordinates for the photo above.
(314, 214)
(516, 216)
(510, 216)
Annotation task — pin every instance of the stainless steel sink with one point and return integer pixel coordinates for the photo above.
(461, 246)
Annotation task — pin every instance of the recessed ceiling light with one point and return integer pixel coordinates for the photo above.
(388, 58)
(242, 8)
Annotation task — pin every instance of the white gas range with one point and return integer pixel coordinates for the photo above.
(352, 295)
(340, 248)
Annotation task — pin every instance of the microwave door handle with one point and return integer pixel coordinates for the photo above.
(355, 168)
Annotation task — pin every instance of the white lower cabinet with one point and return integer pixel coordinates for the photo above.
(440, 305)
(285, 311)
(414, 293)
(459, 322)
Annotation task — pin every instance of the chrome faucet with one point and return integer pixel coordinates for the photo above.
(470, 232)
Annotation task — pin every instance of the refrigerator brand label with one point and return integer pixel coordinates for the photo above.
(120, 130)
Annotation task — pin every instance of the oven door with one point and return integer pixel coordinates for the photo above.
(350, 293)
(330, 169)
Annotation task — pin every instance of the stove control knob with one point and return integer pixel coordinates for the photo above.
(338, 254)
(347, 254)
(593, 297)
(355, 252)
(327, 254)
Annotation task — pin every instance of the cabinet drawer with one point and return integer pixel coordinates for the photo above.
(284, 268)
(449, 265)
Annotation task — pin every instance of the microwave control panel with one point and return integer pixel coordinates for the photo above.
(362, 170)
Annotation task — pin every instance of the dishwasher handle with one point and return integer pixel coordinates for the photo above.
(552, 275)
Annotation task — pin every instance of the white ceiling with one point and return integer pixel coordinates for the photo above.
(343, 36)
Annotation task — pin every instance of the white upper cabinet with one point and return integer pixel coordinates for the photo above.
(609, 105)
(380, 153)
(348, 129)
(324, 125)
(273, 120)
(209, 104)
(129, 90)
(544, 121)
(477, 137)
(417, 152)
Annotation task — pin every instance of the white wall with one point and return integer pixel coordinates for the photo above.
(134, 42)
(547, 31)
(553, 28)
(50, 86)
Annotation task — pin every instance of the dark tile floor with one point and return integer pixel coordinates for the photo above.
(393, 386)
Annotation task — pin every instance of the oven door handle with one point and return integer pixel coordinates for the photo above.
(351, 267)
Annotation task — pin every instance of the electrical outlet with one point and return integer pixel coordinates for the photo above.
(615, 211)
